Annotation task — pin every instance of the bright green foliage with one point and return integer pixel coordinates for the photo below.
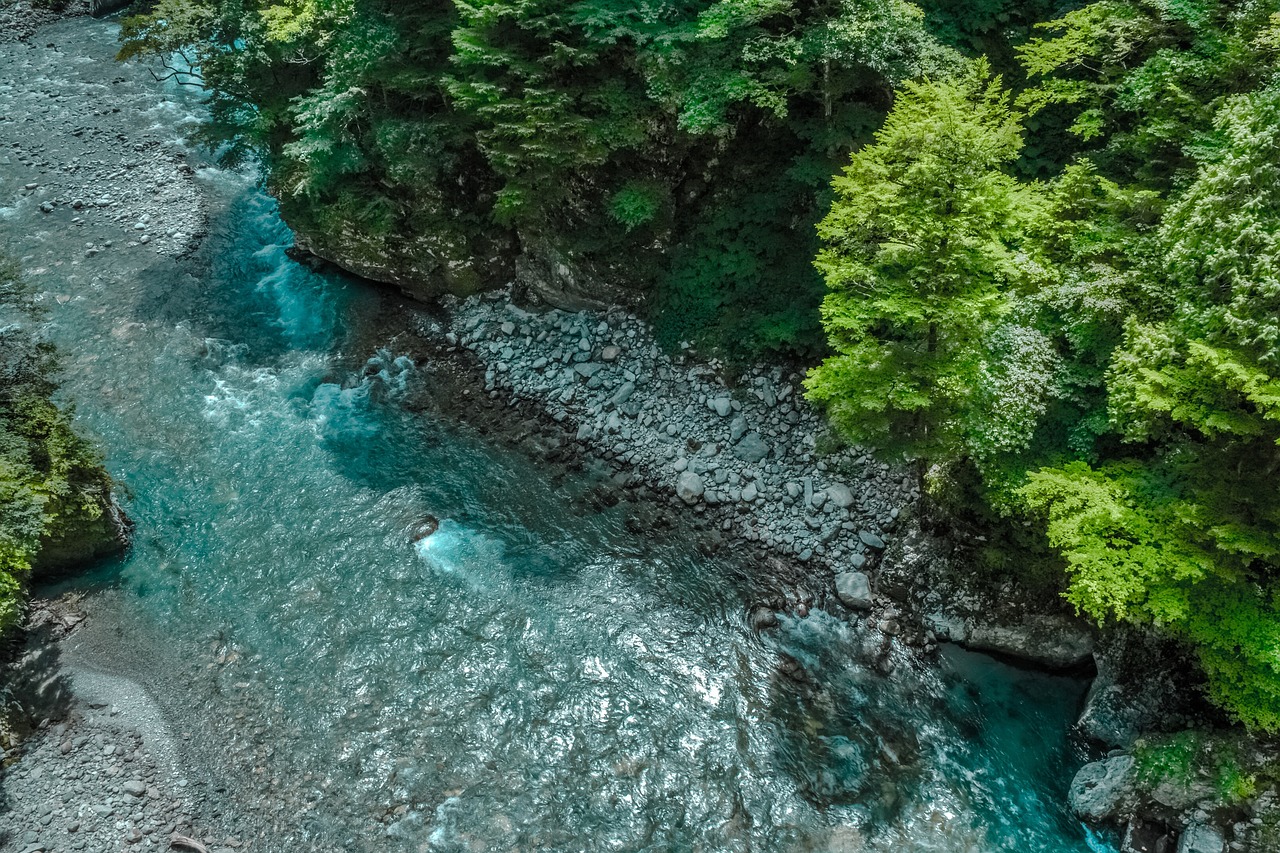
(922, 252)
(50, 478)
(1138, 296)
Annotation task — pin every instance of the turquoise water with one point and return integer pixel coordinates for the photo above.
(532, 677)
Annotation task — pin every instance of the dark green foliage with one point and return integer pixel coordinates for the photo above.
(629, 138)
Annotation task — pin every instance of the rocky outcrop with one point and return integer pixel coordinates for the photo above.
(1145, 682)
(82, 540)
(98, 8)
(1101, 790)
(551, 276)
(1057, 642)
(422, 266)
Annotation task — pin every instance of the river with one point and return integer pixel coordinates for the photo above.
(538, 677)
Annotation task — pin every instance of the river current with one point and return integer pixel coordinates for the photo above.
(534, 676)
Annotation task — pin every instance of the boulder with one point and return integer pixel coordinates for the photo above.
(587, 369)
(1198, 838)
(1144, 681)
(854, 589)
(840, 495)
(722, 406)
(1101, 789)
(1057, 642)
(689, 487)
(751, 448)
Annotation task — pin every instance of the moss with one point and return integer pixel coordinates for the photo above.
(55, 496)
(1214, 760)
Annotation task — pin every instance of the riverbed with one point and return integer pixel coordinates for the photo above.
(536, 675)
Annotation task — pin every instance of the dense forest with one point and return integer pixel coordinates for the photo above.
(1046, 235)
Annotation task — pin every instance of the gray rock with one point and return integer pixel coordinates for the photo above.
(610, 353)
(947, 627)
(1198, 838)
(587, 369)
(750, 492)
(751, 448)
(1058, 642)
(737, 428)
(1101, 789)
(689, 487)
(722, 406)
(854, 589)
(871, 540)
(840, 495)
(623, 393)
(134, 787)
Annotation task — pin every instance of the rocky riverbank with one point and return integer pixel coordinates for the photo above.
(746, 456)
(750, 459)
(97, 768)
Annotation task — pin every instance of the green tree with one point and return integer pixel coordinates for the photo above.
(924, 254)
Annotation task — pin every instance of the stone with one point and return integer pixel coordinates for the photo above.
(610, 353)
(1199, 838)
(689, 487)
(587, 369)
(722, 406)
(508, 328)
(1057, 642)
(623, 394)
(1101, 789)
(134, 788)
(762, 618)
(750, 492)
(871, 540)
(840, 495)
(854, 589)
(751, 448)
